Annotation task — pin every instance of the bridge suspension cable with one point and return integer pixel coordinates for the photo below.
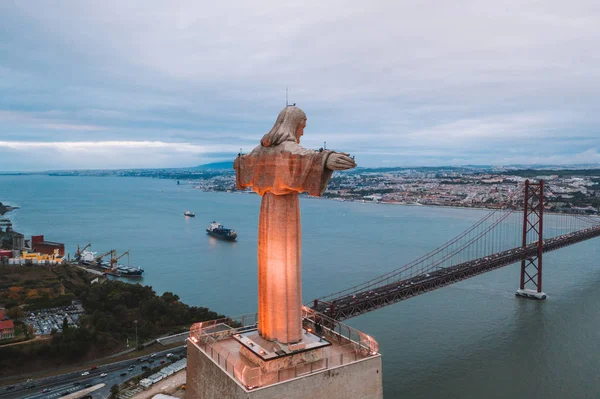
(499, 238)
(446, 255)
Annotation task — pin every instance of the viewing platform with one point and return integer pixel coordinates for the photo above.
(227, 358)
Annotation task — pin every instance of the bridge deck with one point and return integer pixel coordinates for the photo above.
(375, 297)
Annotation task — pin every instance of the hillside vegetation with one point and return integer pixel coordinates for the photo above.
(111, 310)
(39, 287)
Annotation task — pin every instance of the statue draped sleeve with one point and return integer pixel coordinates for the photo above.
(284, 169)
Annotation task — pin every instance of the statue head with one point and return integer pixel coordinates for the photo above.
(289, 126)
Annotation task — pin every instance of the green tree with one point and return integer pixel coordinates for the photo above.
(169, 297)
(15, 313)
(114, 391)
(28, 331)
(65, 325)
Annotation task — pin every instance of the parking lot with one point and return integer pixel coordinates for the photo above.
(45, 320)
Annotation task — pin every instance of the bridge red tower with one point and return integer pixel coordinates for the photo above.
(533, 228)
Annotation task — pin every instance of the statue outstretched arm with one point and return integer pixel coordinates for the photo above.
(339, 161)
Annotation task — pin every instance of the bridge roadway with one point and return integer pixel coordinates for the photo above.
(377, 296)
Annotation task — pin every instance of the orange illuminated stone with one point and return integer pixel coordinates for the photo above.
(278, 170)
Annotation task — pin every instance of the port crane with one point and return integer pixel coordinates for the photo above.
(111, 252)
(115, 258)
(79, 251)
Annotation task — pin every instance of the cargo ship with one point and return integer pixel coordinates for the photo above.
(86, 258)
(130, 271)
(103, 265)
(189, 214)
(125, 271)
(111, 267)
(217, 230)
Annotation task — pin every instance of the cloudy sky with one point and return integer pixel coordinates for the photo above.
(128, 84)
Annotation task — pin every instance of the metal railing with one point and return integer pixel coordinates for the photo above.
(351, 346)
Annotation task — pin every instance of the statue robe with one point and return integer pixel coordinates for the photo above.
(278, 174)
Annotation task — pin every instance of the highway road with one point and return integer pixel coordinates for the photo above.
(69, 383)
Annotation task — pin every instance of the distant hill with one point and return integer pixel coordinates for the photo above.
(215, 166)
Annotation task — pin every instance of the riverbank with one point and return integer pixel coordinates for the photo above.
(491, 207)
(115, 314)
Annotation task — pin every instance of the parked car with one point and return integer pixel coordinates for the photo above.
(93, 368)
(46, 390)
(85, 373)
(103, 375)
(123, 374)
(144, 367)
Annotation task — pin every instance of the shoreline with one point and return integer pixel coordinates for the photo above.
(454, 206)
(6, 208)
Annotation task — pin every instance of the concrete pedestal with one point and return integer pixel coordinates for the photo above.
(531, 294)
(361, 379)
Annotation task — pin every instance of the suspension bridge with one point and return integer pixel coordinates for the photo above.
(501, 238)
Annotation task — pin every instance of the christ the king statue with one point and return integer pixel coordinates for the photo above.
(278, 170)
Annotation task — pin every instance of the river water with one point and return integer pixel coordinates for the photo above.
(473, 339)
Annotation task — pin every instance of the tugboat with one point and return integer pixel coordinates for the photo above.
(217, 230)
(189, 214)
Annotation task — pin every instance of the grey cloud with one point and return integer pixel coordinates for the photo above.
(436, 81)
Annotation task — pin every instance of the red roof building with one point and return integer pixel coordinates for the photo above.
(7, 329)
(46, 247)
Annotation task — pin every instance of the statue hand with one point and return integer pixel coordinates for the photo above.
(339, 161)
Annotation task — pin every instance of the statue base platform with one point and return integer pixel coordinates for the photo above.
(273, 356)
(230, 360)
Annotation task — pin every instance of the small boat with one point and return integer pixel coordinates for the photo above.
(190, 214)
(218, 231)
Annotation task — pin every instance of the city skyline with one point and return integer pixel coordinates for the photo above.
(104, 86)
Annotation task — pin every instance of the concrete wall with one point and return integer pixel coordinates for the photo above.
(206, 380)
(360, 380)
